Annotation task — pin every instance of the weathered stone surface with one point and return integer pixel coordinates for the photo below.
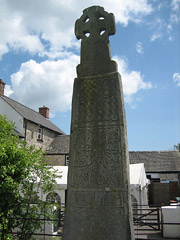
(98, 201)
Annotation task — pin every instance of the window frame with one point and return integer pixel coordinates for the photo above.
(40, 134)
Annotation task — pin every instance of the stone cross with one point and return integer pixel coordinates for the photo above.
(95, 24)
(98, 197)
(94, 28)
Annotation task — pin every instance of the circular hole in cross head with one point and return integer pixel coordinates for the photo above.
(101, 18)
(87, 34)
(86, 19)
(102, 32)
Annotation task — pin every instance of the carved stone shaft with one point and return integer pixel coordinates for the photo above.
(98, 199)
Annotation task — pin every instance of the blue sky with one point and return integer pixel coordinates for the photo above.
(39, 54)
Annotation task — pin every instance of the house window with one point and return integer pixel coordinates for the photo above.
(39, 137)
(66, 160)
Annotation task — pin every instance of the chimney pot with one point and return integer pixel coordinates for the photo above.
(44, 111)
(2, 86)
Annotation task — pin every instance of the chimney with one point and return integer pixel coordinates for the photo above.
(44, 111)
(2, 85)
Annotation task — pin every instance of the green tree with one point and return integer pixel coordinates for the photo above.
(177, 147)
(23, 172)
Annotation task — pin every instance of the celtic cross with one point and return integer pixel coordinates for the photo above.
(95, 24)
(94, 28)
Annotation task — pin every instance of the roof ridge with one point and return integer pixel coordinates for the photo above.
(32, 115)
(24, 106)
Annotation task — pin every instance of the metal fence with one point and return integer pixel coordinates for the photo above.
(147, 221)
(55, 223)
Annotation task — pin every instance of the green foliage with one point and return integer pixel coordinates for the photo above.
(23, 172)
(177, 147)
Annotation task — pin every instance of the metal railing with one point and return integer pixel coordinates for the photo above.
(24, 234)
(146, 220)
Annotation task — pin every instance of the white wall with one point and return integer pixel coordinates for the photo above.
(12, 115)
(139, 194)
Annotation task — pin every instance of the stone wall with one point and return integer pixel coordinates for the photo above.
(31, 133)
(56, 160)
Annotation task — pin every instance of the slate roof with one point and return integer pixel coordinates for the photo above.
(60, 145)
(32, 115)
(157, 161)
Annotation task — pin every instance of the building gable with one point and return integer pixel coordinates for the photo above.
(32, 115)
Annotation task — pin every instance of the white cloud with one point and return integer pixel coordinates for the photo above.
(8, 90)
(174, 17)
(139, 48)
(162, 4)
(158, 26)
(170, 38)
(46, 28)
(15, 35)
(176, 78)
(3, 49)
(50, 83)
(36, 26)
(128, 10)
(175, 4)
(132, 80)
(163, 25)
(47, 83)
(155, 36)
